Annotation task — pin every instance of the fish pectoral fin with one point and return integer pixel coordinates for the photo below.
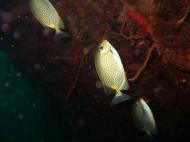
(50, 30)
(109, 91)
(61, 27)
(147, 132)
(62, 35)
(63, 31)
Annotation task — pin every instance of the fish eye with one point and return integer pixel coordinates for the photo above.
(111, 51)
(101, 47)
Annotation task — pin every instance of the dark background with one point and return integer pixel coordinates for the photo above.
(37, 71)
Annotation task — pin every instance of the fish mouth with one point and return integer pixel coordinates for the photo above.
(141, 100)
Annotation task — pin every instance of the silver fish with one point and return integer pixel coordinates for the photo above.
(111, 72)
(143, 117)
(47, 15)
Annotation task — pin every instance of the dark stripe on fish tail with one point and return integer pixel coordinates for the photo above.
(125, 91)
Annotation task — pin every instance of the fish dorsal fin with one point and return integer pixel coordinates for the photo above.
(109, 91)
(48, 4)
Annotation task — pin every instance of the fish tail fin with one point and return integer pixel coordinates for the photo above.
(61, 34)
(62, 25)
(150, 138)
(119, 98)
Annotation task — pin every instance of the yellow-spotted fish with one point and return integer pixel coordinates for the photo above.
(111, 72)
(143, 117)
(47, 15)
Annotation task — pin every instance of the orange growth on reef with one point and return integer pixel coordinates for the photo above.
(143, 22)
(188, 55)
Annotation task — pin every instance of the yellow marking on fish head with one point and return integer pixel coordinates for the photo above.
(114, 87)
(51, 25)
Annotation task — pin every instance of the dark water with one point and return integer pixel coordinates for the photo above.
(37, 71)
(23, 118)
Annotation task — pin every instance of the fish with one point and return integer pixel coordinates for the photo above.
(111, 72)
(143, 117)
(47, 15)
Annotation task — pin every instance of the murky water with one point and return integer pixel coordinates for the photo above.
(24, 118)
(50, 88)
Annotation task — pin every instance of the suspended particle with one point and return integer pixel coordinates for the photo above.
(27, 101)
(4, 104)
(14, 110)
(86, 51)
(12, 45)
(43, 68)
(34, 105)
(7, 84)
(5, 27)
(184, 80)
(158, 89)
(37, 67)
(7, 17)
(18, 74)
(81, 122)
(46, 31)
(17, 35)
(26, 17)
(20, 116)
(98, 85)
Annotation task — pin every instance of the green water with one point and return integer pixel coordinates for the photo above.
(23, 118)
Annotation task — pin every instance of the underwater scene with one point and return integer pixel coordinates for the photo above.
(94, 70)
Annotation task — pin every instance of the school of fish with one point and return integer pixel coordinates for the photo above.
(108, 66)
